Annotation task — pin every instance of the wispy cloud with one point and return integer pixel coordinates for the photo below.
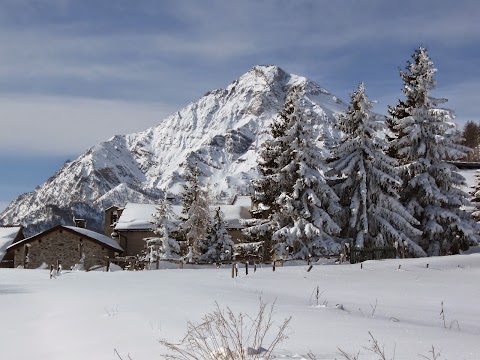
(65, 125)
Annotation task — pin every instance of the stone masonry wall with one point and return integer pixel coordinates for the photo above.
(64, 246)
(107, 226)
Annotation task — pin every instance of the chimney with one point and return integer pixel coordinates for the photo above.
(80, 223)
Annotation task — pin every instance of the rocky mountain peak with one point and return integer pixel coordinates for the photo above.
(222, 132)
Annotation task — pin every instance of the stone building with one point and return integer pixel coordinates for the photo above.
(68, 245)
(9, 234)
(130, 225)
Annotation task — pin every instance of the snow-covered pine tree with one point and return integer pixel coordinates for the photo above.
(306, 203)
(268, 187)
(163, 246)
(424, 141)
(196, 211)
(219, 244)
(191, 186)
(368, 181)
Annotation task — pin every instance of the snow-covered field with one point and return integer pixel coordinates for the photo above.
(82, 315)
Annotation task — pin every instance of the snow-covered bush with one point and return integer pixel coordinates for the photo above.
(162, 247)
(219, 245)
(248, 250)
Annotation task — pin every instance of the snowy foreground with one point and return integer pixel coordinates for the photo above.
(83, 315)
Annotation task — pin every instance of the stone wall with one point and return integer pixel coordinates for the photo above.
(64, 246)
(109, 220)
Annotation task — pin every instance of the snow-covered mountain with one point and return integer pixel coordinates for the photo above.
(221, 131)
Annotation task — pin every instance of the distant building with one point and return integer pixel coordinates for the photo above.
(69, 245)
(9, 234)
(130, 225)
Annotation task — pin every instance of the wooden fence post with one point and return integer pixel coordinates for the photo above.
(233, 270)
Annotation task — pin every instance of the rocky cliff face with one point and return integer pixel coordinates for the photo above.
(222, 132)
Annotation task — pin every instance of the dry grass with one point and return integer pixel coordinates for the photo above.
(222, 335)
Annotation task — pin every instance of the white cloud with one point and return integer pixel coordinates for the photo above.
(65, 125)
(226, 31)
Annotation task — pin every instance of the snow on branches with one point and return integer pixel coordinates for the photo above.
(368, 182)
(163, 246)
(424, 140)
(293, 193)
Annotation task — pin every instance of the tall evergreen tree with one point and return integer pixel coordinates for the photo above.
(307, 203)
(369, 183)
(269, 187)
(218, 245)
(191, 187)
(196, 211)
(423, 142)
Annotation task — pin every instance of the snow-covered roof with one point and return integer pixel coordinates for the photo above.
(96, 236)
(243, 200)
(7, 235)
(136, 217)
(140, 216)
(233, 214)
(105, 240)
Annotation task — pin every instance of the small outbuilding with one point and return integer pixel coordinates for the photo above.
(67, 245)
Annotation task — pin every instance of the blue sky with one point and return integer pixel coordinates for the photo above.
(76, 72)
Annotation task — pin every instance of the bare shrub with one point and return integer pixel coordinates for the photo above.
(222, 335)
(316, 294)
(374, 348)
(379, 351)
(433, 355)
(452, 323)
